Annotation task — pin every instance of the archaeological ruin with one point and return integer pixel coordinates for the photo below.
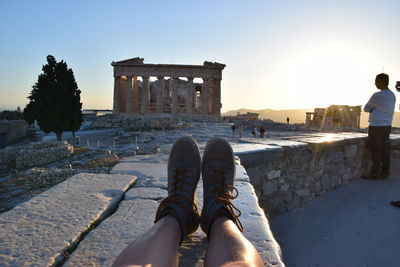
(174, 92)
(334, 117)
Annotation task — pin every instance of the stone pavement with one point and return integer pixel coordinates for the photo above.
(90, 218)
(353, 225)
(41, 231)
(136, 213)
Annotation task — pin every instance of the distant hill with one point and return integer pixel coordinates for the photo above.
(298, 115)
(295, 115)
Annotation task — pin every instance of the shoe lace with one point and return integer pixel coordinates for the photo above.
(178, 180)
(224, 195)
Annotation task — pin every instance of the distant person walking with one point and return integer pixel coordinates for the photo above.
(241, 127)
(233, 127)
(262, 132)
(381, 108)
(254, 132)
(287, 120)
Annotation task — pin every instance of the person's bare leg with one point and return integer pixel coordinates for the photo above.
(176, 216)
(228, 247)
(157, 247)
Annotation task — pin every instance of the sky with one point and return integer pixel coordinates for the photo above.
(279, 54)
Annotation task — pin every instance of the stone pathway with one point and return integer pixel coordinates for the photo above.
(352, 226)
(136, 213)
(90, 218)
(74, 223)
(41, 231)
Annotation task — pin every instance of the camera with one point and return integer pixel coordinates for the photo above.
(398, 86)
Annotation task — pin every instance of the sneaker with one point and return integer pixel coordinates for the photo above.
(184, 165)
(395, 203)
(218, 174)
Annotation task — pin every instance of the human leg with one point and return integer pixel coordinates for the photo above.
(177, 214)
(374, 146)
(228, 246)
(219, 218)
(158, 246)
(385, 171)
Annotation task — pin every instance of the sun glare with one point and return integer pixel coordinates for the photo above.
(325, 74)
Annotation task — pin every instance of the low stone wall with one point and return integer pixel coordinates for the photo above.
(150, 121)
(23, 157)
(287, 175)
(12, 131)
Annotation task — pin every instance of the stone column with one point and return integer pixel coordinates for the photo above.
(217, 100)
(174, 91)
(205, 97)
(135, 95)
(160, 95)
(122, 94)
(189, 96)
(116, 95)
(145, 94)
(128, 90)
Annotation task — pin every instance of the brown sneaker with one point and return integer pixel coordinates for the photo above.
(184, 165)
(395, 203)
(218, 174)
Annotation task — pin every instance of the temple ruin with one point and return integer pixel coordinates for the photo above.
(174, 91)
(335, 116)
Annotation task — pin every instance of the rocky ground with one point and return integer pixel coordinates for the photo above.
(99, 150)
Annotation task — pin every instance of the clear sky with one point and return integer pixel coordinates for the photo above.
(279, 54)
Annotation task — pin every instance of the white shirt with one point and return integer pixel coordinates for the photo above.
(381, 108)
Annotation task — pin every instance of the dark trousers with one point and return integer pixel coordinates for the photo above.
(379, 146)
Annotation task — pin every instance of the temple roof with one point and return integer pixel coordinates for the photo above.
(139, 61)
(131, 61)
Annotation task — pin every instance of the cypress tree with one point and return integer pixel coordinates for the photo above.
(55, 99)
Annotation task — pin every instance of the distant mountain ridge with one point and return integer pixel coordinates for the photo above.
(295, 115)
(298, 115)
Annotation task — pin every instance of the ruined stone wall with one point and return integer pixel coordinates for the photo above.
(13, 130)
(287, 176)
(25, 156)
(153, 121)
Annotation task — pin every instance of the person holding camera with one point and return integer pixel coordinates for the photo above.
(381, 108)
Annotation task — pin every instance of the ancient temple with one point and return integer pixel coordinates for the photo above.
(335, 116)
(173, 92)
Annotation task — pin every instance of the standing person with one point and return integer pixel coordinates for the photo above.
(262, 132)
(233, 127)
(241, 127)
(253, 132)
(287, 120)
(381, 108)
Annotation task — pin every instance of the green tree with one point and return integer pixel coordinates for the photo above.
(10, 115)
(55, 99)
(29, 113)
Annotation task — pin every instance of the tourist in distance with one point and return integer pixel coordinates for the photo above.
(381, 108)
(178, 216)
(262, 132)
(253, 132)
(233, 127)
